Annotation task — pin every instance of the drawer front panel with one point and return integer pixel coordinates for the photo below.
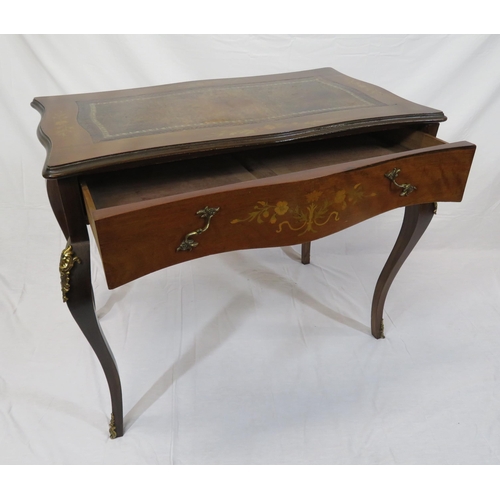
(305, 207)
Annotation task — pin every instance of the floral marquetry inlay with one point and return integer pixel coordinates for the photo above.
(61, 125)
(318, 208)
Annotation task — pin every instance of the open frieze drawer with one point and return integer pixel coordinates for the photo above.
(284, 194)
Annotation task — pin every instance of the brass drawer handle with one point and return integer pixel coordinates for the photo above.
(406, 188)
(188, 244)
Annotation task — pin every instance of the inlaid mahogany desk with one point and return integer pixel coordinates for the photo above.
(175, 172)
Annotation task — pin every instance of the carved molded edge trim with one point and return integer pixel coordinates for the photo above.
(103, 163)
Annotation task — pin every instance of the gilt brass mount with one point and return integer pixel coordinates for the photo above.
(112, 427)
(382, 329)
(406, 188)
(188, 244)
(68, 260)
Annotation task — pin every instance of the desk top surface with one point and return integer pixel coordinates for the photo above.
(92, 132)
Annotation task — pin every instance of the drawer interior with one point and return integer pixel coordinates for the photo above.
(178, 177)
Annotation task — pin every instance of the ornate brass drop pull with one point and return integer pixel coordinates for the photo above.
(188, 244)
(406, 188)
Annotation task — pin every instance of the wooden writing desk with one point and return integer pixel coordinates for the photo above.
(175, 172)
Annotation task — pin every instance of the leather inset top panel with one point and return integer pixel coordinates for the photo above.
(216, 106)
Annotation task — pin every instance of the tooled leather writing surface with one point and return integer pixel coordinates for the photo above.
(216, 106)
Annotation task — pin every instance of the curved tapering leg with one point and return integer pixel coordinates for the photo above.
(415, 222)
(76, 284)
(80, 301)
(305, 256)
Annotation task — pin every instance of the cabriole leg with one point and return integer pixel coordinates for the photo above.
(305, 256)
(415, 222)
(77, 292)
(76, 284)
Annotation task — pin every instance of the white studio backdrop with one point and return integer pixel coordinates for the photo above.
(249, 357)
